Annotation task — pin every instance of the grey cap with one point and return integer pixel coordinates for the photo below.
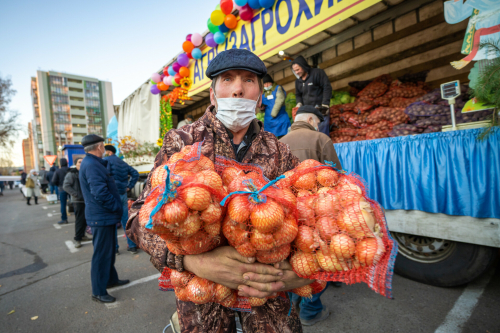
(91, 139)
(236, 59)
(311, 109)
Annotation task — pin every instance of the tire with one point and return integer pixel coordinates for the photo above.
(452, 264)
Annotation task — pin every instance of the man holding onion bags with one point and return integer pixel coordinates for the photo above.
(229, 128)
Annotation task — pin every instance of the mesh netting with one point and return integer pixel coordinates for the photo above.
(342, 234)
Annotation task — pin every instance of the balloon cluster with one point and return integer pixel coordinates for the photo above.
(221, 21)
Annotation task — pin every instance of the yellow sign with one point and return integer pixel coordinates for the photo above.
(287, 23)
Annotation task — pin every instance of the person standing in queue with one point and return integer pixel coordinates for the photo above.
(121, 172)
(72, 186)
(187, 120)
(228, 128)
(58, 180)
(276, 118)
(313, 87)
(44, 183)
(32, 187)
(307, 143)
(103, 210)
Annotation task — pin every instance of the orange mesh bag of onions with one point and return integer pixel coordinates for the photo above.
(342, 234)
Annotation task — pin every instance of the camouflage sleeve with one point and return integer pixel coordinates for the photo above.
(149, 242)
(288, 160)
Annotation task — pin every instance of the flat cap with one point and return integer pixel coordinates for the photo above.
(236, 59)
(311, 109)
(91, 139)
(110, 147)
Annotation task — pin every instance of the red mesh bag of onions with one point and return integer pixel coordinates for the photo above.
(342, 234)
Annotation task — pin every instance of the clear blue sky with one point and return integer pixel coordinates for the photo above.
(123, 42)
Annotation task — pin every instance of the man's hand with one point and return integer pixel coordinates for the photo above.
(224, 265)
(289, 281)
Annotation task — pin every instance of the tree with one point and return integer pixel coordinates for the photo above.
(9, 126)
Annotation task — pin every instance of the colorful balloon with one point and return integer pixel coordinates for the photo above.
(184, 72)
(188, 37)
(211, 27)
(171, 70)
(266, 3)
(231, 21)
(226, 6)
(176, 67)
(196, 53)
(223, 28)
(187, 46)
(165, 70)
(209, 40)
(254, 4)
(217, 7)
(155, 77)
(219, 37)
(154, 89)
(246, 13)
(167, 80)
(196, 39)
(189, 55)
(240, 3)
(162, 86)
(175, 84)
(177, 78)
(183, 60)
(217, 17)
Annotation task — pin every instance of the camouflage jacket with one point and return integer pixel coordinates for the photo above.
(274, 157)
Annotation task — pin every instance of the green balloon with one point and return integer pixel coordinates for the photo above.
(213, 28)
(175, 83)
(152, 82)
(217, 7)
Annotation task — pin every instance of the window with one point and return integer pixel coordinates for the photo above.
(76, 89)
(75, 81)
(76, 99)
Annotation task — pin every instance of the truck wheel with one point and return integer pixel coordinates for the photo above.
(440, 262)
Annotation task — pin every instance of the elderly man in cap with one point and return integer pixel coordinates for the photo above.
(306, 142)
(228, 128)
(121, 172)
(103, 210)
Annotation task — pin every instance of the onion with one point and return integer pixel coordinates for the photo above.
(229, 174)
(287, 181)
(305, 239)
(288, 231)
(369, 251)
(310, 163)
(246, 249)
(342, 246)
(212, 214)
(306, 182)
(261, 241)
(174, 247)
(289, 197)
(304, 264)
(324, 190)
(196, 198)
(210, 178)
(238, 209)
(267, 217)
(158, 176)
(357, 220)
(255, 301)
(274, 255)
(175, 212)
(328, 177)
(212, 229)
(204, 163)
(326, 227)
(182, 294)
(304, 291)
(198, 243)
(200, 291)
(304, 193)
(326, 205)
(179, 279)
(190, 226)
(330, 263)
(221, 292)
(306, 212)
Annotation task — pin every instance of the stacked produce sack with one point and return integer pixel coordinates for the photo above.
(184, 209)
(342, 234)
(261, 218)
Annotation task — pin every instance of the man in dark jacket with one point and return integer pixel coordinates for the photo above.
(58, 180)
(103, 210)
(49, 177)
(43, 179)
(72, 186)
(312, 87)
(121, 171)
(307, 143)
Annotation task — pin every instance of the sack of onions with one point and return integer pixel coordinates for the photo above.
(342, 234)
(184, 207)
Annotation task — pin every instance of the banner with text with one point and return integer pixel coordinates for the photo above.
(287, 23)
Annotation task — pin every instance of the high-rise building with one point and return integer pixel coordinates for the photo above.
(67, 107)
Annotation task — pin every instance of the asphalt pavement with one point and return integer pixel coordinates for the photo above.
(45, 287)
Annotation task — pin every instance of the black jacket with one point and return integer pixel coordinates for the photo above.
(316, 89)
(50, 174)
(58, 178)
(72, 186)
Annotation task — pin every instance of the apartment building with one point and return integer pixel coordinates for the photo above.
(67, 107)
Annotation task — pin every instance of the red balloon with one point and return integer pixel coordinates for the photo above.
(187, 46)
(246, 13)
(189, 55)
(226, 6)
(165, 71)
(177, 78)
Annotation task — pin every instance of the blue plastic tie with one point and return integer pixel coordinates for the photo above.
(169, 194)
(254, 195)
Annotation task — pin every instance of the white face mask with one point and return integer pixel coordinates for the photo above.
(235, 113)
(268, 88)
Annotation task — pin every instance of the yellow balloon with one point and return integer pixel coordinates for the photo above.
(217, 17)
